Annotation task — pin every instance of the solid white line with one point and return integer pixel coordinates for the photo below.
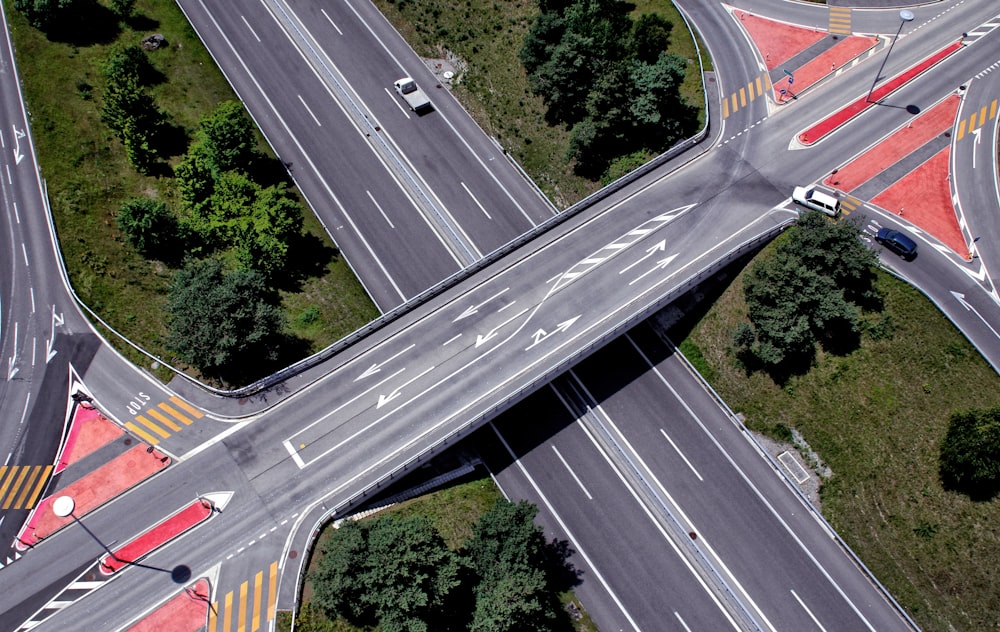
(808, 612)
(24, 250)
(565, 529)
(379, 207)
(32, 290)
(330, 20)
(303, 101)
(295, 455)
(350, 401)
(757, 492)
(252, 32)
(572, 473)
(476, 201)
(84, 585)
(452, 339)
(680, 454)
(9, 180)
(677, 614)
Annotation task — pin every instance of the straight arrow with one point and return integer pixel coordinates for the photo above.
(475, 308)
(978, 133)
(480, 339)
(660, 265)
(385, 399)
(375, 368)
(655, 248)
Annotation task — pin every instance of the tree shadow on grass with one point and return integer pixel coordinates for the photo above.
(88, 23)
(142, 23)
(308, 257)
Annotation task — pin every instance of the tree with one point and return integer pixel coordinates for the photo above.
(147, 225)
(221, 320)
(650, 37)
(265, 235)
(195, 185)
(42, 14)
(123, 8)
(227, 138)
(393, 571)
(812, 288)
(970, 453)
(508, 552)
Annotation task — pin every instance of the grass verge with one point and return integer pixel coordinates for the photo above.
(487, 35)
(877, 417)
(89, 177)
(453, 511)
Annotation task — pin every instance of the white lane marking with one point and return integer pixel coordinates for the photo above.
(452, 339)
(808, 612)
(474, 199)
(760, 495)
(572, 473)
(295, 455)
(24, 250)
(677, 614)
(379, 207)
(17, 216)
(32, 291)
(565, 529)
(316, 120)
(679, 453)
(9, 179)
(250, 28)
(330, 20)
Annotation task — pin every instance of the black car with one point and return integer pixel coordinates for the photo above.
(897, 242)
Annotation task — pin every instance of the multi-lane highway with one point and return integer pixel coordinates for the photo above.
(419, 382)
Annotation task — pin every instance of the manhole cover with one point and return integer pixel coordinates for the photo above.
(293, 554)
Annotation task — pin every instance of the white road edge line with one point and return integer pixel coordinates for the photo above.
(679, 453)
(572, 473)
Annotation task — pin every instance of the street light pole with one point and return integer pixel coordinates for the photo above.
(63, 506)
(904, 16)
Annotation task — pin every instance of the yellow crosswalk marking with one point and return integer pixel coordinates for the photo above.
(176, 414)
(7, 479)
(272, 590)
(145, 436)
(258, 584)
(993, 109)
(241, 625)
(743, 97)
(149, 424)
(38, 487)
(961, 130)
(191, 410)
(725, 108)
(213, 616)
(759, 89)
(155, 414)
(17, 484)
(227, 613)
(982, 116)
(35, 471)
(972, 122)
(734, 108)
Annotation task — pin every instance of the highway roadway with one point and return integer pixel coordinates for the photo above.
(353, 427)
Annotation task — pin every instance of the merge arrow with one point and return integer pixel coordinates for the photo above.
(541, 334)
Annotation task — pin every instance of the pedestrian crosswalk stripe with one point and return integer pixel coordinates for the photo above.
(145, 436)
(150, 425)
(155, 414)
(249, 605)
(840, 20)
(191, 410)
(20, 485)
(176, 414)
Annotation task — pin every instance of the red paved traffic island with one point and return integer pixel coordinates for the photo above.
(88, 431)
(777, 41)
(818, 131)
(821, 66)
(91, 491)
(175, 525)
(186, 612)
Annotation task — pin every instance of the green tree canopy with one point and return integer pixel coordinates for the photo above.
(396, 572)
(227, 138)
(970, 453)
(650, 37)
(43, 13)
(147, 225)
(812, 288)
(221, 320)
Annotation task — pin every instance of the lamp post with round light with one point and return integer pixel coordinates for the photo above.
(63, 507)
(904, 16)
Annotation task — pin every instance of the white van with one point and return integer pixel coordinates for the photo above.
(816, 200)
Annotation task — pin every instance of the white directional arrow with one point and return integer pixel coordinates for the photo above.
(475, 308)
(652, 250)
(660, 265)
(480, 339)
(385, 399)
(961, 299)
(57, 320)
(375, 368)
(978, 133)
(18, 156)
(541, 334)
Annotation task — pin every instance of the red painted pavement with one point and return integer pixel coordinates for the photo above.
(918, 131)
(835, 120)
(92, 491)
(88, 431)
(824, 64)
(777, 41)
(156, 537)
(187, 612)
(923, 198)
